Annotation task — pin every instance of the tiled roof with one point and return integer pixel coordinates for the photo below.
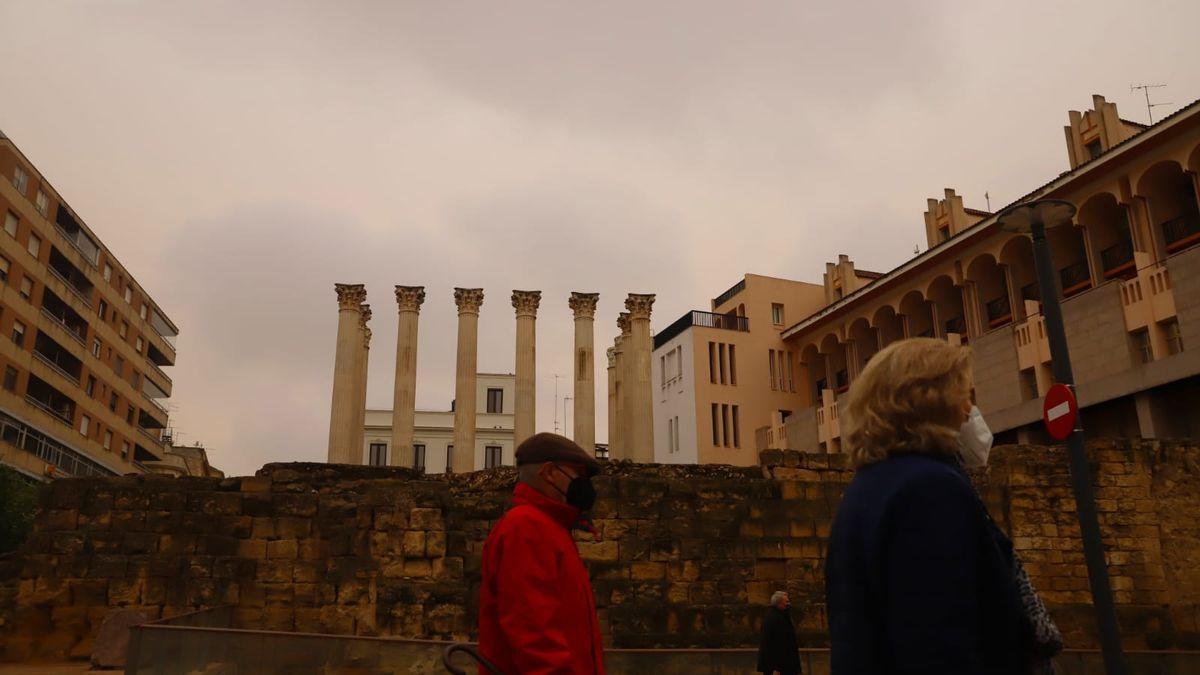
(977, 212)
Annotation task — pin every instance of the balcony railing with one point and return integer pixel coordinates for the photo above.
(52, 365)
(63, 324)
(1181, 231)
(1117, 259)
(1075, 278)
(999, 312)
(159, 370)
(71, 287)
(153, 437)
(733, 290)
(48, 410)
(957, 325)
(702, 320)
(155, 402)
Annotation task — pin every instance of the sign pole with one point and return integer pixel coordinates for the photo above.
(1081, 475)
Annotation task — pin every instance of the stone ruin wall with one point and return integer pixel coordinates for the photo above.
(686, 555)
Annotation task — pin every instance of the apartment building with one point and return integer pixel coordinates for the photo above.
(1128, 267)
(82, 344)
(433, 430)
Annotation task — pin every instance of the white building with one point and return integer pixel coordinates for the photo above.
(672, 377)
(433, 432)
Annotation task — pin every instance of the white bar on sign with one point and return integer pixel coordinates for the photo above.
(1058, 411)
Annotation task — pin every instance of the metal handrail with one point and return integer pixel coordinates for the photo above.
(703, 320)
(54, 366)
(733, 290)
(1116, 256)
(155, 402)
(147, 434)
(48, 410)
(1180, 227)
(159, 370)
(70, 286)
(75, 245)
(70, 331)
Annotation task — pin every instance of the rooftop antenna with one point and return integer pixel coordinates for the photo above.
(988, 198)
(556, 376)
(1146, 90)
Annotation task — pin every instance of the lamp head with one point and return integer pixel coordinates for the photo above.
(1049, 212)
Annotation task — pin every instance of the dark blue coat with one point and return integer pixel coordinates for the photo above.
(919, 579)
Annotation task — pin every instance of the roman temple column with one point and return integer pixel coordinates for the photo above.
(468, 300)
(583, 305)
(342, 415)
(621, 347)
(526, 304)
(360, 388)
(404, 398)
(611, 352)
(640, 441)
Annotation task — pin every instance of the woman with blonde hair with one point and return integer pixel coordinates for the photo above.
(918, 578)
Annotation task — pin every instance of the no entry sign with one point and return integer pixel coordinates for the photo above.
(1060, 411)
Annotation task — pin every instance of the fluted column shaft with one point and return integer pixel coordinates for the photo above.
(342, 415)
(524, 419)
(612, 399)
(404, 395)
(356, 453)
(641, 405)
(624, 358)
(468, 300)
(583, 305)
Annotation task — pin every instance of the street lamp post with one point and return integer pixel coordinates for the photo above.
(1033, 218)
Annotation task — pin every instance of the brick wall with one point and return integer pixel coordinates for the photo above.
(686, 555)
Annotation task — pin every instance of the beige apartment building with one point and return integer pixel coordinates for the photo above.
(1129, 270)
(82, 344)
(433, 430)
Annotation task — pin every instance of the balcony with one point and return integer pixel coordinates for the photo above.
(157, 357)
(153, 437)
(956, 325)
(76, 281)
(1118, 261)
(64, 316)
(701, 320)
(733, 290)
(1075, 279)
(57, 358)
(45, 397)
(1181, 231)
(70, 229)
(999, 312)
(155, 402)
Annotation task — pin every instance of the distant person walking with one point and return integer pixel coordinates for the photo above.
(918, 577)
(537, 615)
(779, 654)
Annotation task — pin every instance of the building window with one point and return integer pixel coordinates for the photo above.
(789, 371)
(10, 223)
(108, 440)
(129, 295)
(143, 311)
(124, 330)
(1029, 386)
(18, 333)
(495, 400)
(737, 440)
(91, 386)
(721, 360)
(102, 309)
(712, 361)
(10, 378)
(1094, 149)
(716, 425)
(42, 202)
(112, 401)
(107, 272)
(732, 367)
(26, 288)
(419, 457)
(35, 245)
(670, 434)
(1141, 346)
(138, 344)
(378, 454)
(135, 378)
(1170, 329)
(774, 373)
(944, 233)
(493, 456)
(776, 313)
(124, 449)
(96, 347)
(5, 265)
(676, 433)
(85, 423)
(129, 410)
(450, 458)
(662, 369)
(725, 424)
(119, 367)
(20, 180)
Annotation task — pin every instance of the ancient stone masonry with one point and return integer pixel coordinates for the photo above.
(685, 555)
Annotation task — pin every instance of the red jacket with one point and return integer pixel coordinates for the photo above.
(537, 615)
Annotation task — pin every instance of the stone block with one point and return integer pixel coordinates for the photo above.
(112, 638)
(435, 544)
(426, 519)
(285, 549)
(414, 544)
(605, 551)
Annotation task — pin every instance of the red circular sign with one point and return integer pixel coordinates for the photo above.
(1059, 411)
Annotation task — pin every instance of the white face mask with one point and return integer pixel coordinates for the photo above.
(975, 440)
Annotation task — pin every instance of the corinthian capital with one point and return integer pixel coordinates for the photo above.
(350, 296)
(611, 352)
(364, 314)
(583, 304)
(623, 323)
(639, 305)
(409, 298)
(468, 300)
(526, 302)
(366, 337)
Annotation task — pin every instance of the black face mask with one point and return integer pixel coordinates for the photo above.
(580, 492)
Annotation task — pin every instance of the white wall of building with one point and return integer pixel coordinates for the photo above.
(434, 429)
(672, 382)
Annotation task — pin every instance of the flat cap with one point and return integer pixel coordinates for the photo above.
(548, 447)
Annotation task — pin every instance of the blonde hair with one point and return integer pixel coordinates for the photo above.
(907, 400)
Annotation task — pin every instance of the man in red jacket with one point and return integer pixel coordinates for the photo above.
(537, 615)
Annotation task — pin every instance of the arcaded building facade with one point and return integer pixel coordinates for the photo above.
(1128, 267)
(82, 344)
